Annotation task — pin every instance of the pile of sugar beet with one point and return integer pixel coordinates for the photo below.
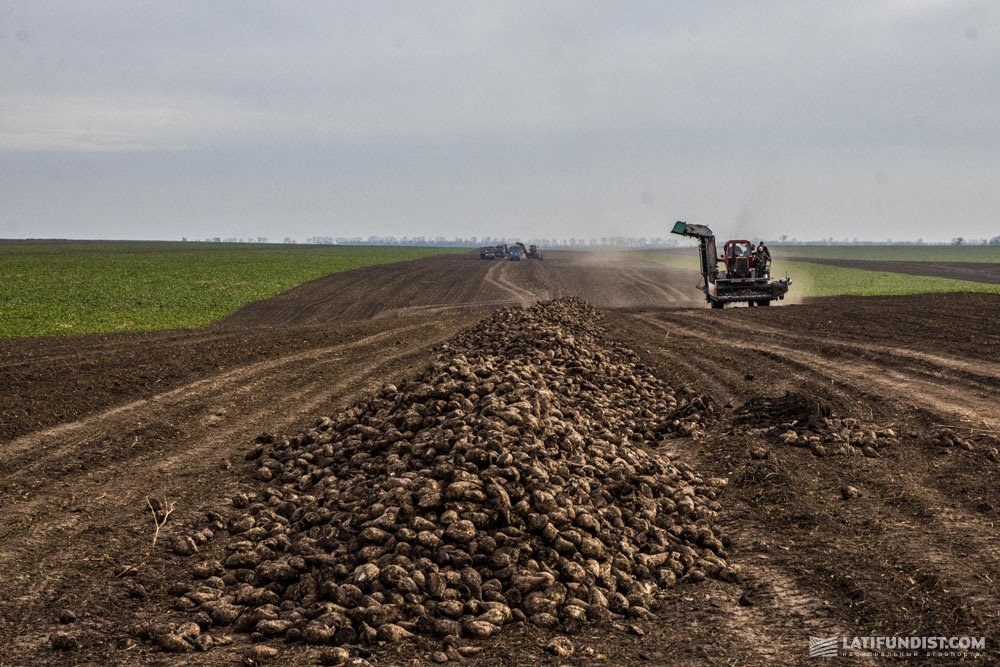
(520, 477)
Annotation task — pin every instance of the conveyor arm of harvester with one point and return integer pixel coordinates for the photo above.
(706, 247)
(694, 231)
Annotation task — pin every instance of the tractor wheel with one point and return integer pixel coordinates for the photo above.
(717, 305)
(764, 302)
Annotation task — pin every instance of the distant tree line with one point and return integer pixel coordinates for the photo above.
(958, 240)
(234, 239)
(477, 241)
(784, 240)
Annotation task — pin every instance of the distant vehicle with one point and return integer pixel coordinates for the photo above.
(527, 252)
(516, 251)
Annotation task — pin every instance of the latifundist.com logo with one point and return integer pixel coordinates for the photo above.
(897, 647)
(824, 648)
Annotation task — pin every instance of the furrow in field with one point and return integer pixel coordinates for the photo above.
(962, 369)
(500, 276)
(869, 376)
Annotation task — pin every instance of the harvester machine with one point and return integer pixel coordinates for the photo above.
(739, 280)
(534, 252)
(518, 251)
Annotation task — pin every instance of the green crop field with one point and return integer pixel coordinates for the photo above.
(91, 287)
(814, 280)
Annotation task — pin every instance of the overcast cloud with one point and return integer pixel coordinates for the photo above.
(869, 119)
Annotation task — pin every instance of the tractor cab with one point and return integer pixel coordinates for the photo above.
(738, 258)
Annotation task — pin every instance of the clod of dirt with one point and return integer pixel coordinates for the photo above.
(518, 478)
(67, 616)
(63, 641)
(792, 407)
(136, 591)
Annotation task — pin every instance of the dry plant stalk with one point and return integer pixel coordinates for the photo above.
(158, 523)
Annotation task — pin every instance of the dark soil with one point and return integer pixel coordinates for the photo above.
(96, 430)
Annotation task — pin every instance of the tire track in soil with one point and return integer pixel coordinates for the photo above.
(441, 308)
(904, 547)
(954, 535)
(730, 375)
(785, 607)
(51, 525)
(915, 386)
(982, 373)
(664, 291)
(621, 280)
(499, 278)
(100, 345)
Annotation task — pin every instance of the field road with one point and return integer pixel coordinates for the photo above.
(453, 284)
(95, 428)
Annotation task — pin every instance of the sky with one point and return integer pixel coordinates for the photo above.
(847, 119)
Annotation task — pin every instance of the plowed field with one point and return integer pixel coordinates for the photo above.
(858, 437)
